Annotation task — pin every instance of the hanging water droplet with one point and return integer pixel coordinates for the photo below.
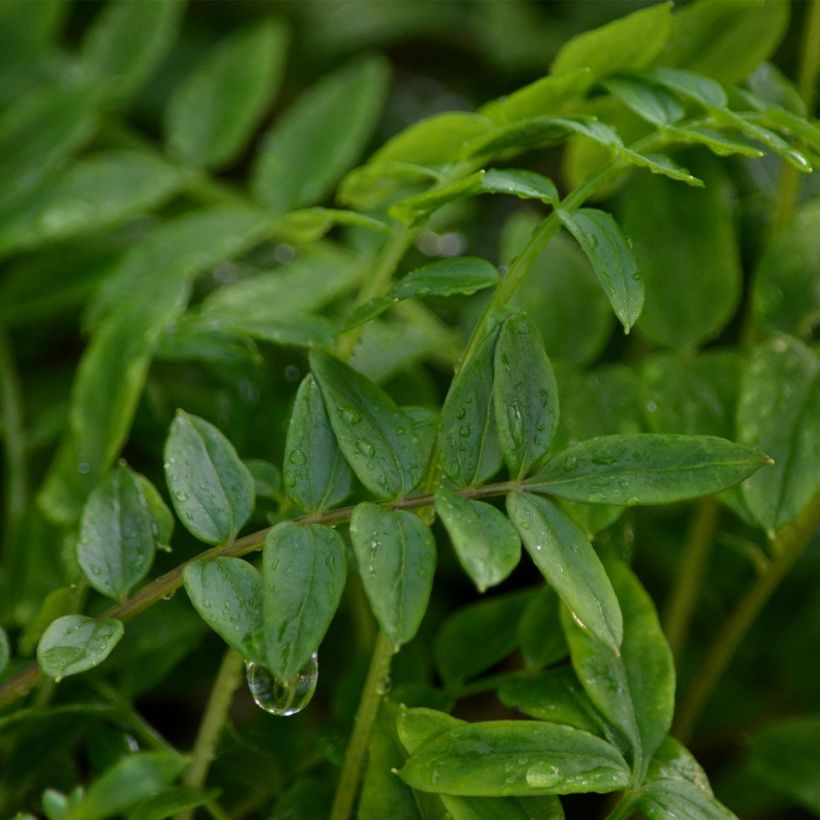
(282, 697)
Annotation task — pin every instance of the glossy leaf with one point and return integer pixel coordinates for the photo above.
(227, 594)
(211, 489)
(303, 158)
(213, 114)
(485, 542)
(646, 469)
(468, 438)
(611, 258)
(628, 43)
(376, 438)
(779, 410)
(716, 142)
(525, 395)
(650, 102)
(691, 86)
(515, 758)
(567, 560)
(396, 555)
(633, 690)
(315, 473)
(304, 572)
(447, 277)
(118, 534)
(76, 643)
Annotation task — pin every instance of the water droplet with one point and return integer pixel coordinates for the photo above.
(461, 412)
(180, 496)
(464, 430)
(351, 415)
(570, 463)
(542, 776)
(83, 468)
(515, 422)
(385, 685)
(282, 697)
(593, 240)
(365, 447)
(297, 457)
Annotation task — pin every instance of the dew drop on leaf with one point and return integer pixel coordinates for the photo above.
(282, 696)
(542, 776)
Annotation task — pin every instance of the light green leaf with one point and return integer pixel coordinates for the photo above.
(213, 114)
(127, 41)
(485, 542)
(547, 807)
(635, 690)
(315, 473)
(469, 449)
(662, 165)
(687, 253)
(169, 802)
(522, 758)
(570, 564)
(96, 193)
(779, 409)
(691, 86)
(645, 468)
(76, 643)
(320, 136)
(378, 183)
(611, 258)
(211, 489)
(5, 651)
(649, 101)
(716, 142)
(525, 395)
(376, 438)
(310, 224)
(396, 555)
(227, 594)
(304, 572)
(418, 726)
(130, 780)
(297, 330)
(118, 534)
(626, 44)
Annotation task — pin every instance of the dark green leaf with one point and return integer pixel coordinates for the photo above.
(169, 802)
(213, 114)
(646, 469)
(485, 542)
(304, 572)
(515, 758)
(5, 651)
(396, 555)
(525, 395)
(76, 643)
(611, 258)
(539, 631)
(315, 473)
(663, 165)
(633, 690)
(320, 137)
(118, 534)
(376, 438)
(547, 807)
(567, 560)
(227, 594)
(650, 102)
(267, 478)
(211, 489)
(297, 330)
(447, 277)
(468, 438)
(779, 410)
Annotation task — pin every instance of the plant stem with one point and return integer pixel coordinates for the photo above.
(372, 694)
(684, 596)
(625, 807)
(216, 713)
(788, 545)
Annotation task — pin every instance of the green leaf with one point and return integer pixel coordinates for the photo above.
(468, 443)
(547, 807)
(515, 758)
(132, 779)
(649, 101)
(629, 43)
(5, 651)
(127, 41)
(539, 631)
(227, 594)
(525, 395)
(163, 518)
(211, 489)
(779, 409)
(213, 114)
(376, 438)
(96, 193)
(662, 165)
(310, 224)
(303, 157)
(379, 183)
(169, 802)
(267, 478)
(118, 534)
(785, 755)
(315, 473)
(676, 786)
(471, 640)
(396, 554)
(687, 253)
(716, 142)
(485, 542)
(304, 571)
(611, 258)
(691, 86)
(635, 690)
(567, 560)
(76, 643)
(645, 468)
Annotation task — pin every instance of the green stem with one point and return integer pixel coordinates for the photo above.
(140, 726)
(788, 545)
(348, 786)
(625, 807)
(681, 604)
